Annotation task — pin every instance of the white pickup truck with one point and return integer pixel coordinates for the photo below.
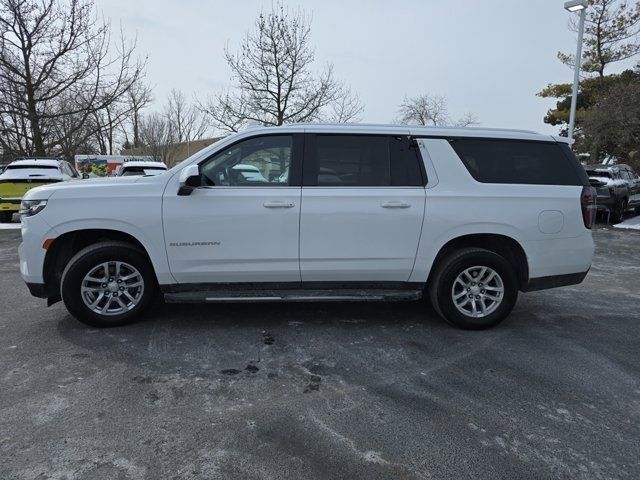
(467, 217)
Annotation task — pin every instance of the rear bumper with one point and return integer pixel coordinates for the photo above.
(557, 257)
(554, 281)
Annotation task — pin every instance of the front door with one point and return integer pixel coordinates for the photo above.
(243, 224)
(363, 204)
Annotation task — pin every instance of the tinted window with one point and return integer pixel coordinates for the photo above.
(129, 171)
(508, 161)
(363, 161)
(258, 161)
(597, 173)
(38, 166)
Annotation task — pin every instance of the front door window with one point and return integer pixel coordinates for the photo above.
(256, 162)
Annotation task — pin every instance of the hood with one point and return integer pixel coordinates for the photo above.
(45, 191)
(33, 174)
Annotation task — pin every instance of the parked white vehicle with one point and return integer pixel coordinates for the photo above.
(136, 168)
(469, 217)
(22, 175)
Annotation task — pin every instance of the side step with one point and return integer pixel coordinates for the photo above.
(247, 296)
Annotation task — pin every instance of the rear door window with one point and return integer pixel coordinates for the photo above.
(518, 162)
(362, 161)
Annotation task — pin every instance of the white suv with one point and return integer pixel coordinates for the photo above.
(139, 167)
(321, 213)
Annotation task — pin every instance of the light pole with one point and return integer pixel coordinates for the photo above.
(576, 6)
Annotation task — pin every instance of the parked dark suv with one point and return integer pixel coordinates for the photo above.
(618, 188)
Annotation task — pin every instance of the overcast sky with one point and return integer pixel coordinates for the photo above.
(489, 57)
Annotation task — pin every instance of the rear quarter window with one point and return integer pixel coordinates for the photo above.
(519, 162)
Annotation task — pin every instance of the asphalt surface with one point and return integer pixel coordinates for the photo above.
(305, 391)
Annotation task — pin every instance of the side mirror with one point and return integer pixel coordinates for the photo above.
(189, 180)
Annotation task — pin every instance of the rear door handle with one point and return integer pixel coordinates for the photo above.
(395, 205)
(279, 204)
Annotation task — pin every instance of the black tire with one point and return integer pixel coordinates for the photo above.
(91, 257)
(617, 214)
(445, 274)
(6, 217)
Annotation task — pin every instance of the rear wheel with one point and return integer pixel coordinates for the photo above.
(617, 214)
(474, 288)
(6, 217)
(108, 284)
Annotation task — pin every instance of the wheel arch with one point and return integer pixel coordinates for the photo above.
(503, 245)
(65, 246)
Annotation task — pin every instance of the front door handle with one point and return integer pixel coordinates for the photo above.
(395, 205)
(279, 204)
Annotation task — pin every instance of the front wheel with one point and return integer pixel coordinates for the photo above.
(474, 288)
(108, 284)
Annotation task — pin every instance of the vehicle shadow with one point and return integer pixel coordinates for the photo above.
(207, 339)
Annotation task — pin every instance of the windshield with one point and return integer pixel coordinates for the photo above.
(199, 153)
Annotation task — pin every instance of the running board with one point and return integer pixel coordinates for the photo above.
(248, 296)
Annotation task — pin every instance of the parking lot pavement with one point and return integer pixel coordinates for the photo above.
(327, 390)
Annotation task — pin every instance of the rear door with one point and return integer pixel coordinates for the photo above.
(363, 202)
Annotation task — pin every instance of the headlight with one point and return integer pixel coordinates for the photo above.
(29, 208)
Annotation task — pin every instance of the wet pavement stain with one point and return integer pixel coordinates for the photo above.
(252, 369)
(314, 384)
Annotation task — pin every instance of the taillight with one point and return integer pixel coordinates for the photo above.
(588, 203)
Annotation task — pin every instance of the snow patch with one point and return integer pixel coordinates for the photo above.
(631, 224)
(10, 226)
(609, 182)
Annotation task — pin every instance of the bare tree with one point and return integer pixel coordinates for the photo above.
(108, 125)
(157, 135)
(612, 34)
(14, 127)
(75, 139)
(50, 50)
(187, 121)
(424, 110)
(430, 110)
(139, 97)
(467, 120)
(273, 78)
(347, 108)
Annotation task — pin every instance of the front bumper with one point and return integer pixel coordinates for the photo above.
(35, 230)
(9, 205)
